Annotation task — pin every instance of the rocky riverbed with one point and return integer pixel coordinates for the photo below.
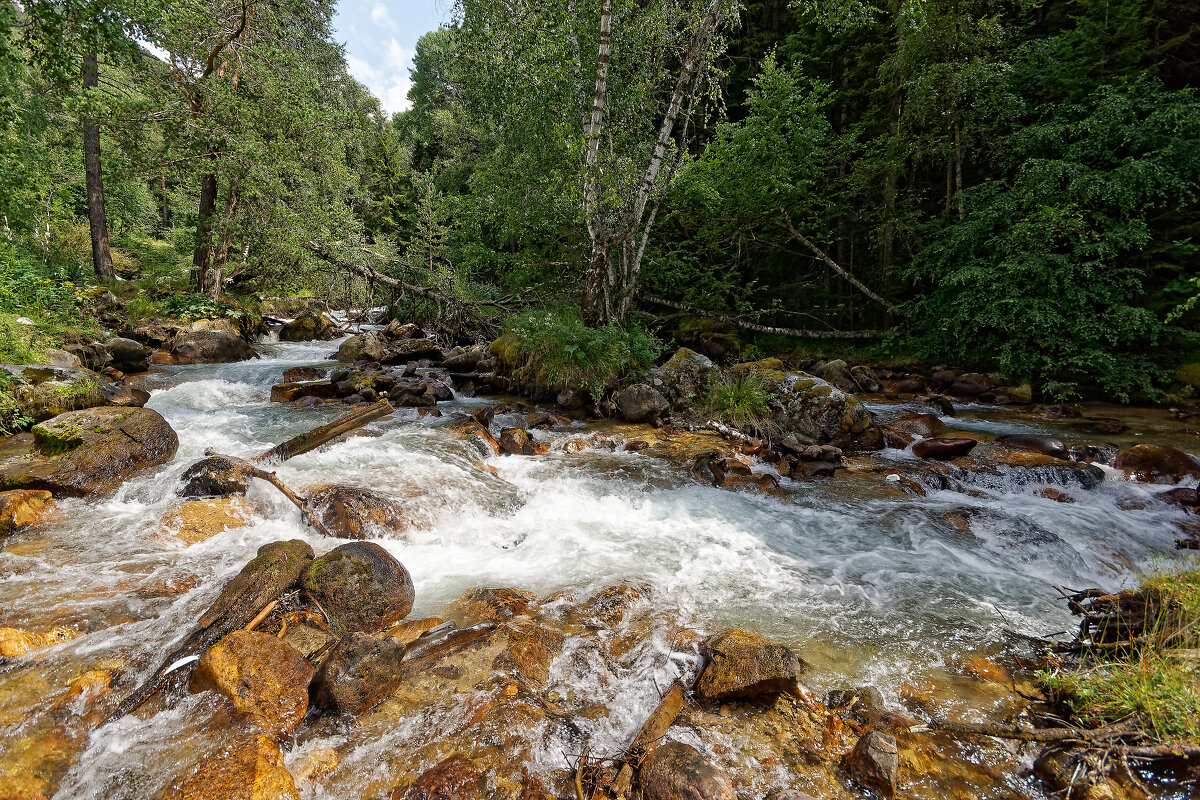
(816, 598)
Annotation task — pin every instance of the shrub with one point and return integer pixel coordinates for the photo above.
(741, 398)
(555, 350)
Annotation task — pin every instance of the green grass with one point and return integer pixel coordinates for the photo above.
(741, 398)
(1159, 683)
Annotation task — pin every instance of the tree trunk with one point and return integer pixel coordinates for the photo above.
(958, 169)
(216, 276)
(101, 254)
(204, 223)
(596, 305)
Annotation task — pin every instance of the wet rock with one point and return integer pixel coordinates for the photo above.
(308, 326)
(91, 451)
(465, 359)
(314, 766)
(516, 441)
(247, 768)
(359, 672)
(609, 607)
(1045, 445)
(572, 399)
(530, 650)
(195, 521)
(414, 350)
(493, 605)
(1155, 463)
(360, 586)
(352, 513)
(128, 355)
(742, 664)
(686, 376)
(370, 346)
(897, 439)
(286, 392)
(943, 448)
(576, 445)
(456, 778)
(641, 403)
(301, 374)
(403, 330)
(16, 642)
(921, 425)
(21, 508)
(875, 762)
(260, 675)
(676, 771)
(983, 668)
(91, 355)
(912, 385)
(274, 568)
(788, 794)
(208, 347)
(213, 477)
(476, 434)
(43, 391)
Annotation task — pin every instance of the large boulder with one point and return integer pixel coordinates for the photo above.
(641, 403)
(360, 586)
(91, 451)
(359, 672)
(466, 359)
(741, 664)
(685, 376)
(308, 326)
(818, 413)
(215, 476)
(260, 675)
(407, 350)
(370, 346)
(43, 391)
(352, 513)
(246, 768)
(1156, 463)
(208, 346)
(875, 762)
(128, 355)
(676, 771)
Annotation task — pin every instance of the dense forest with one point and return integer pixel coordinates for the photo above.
(1003, 185)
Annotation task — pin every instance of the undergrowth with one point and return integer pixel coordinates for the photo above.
(741, 398)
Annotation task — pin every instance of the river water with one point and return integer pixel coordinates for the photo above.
(870, 588)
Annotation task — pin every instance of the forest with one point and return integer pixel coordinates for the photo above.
(1008, 186)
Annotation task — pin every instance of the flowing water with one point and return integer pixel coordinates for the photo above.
(869, 587)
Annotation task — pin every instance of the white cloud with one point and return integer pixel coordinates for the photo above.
(399, 56)
(381, 16)
(391, 83)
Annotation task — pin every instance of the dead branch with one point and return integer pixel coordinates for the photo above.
(754, 326)
(249, 469)
(1022, 734)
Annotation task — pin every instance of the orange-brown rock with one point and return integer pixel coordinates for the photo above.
(676, 771)
(493, 605)
(315, 766)
(471, 431)
(408, 632)
(531, 649)
(608, 607)
(516, 442)
(16, 642)
(1155, 463)
(260, 675)
(875, 762)
(352, 513)
(456, 778)
(85, 691)
(247, 768)
(943, 448)
(21, 508)
(359, 672)
(920, 425)
(1056, 495)
(194, 521)
(741, 663)
(575, 445)
(983, 668)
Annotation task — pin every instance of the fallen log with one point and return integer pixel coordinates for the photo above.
(1021, 734)
(313, 439)
(265, 577)
(656, 725)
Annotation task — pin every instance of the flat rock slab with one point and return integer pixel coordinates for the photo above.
(92, 451)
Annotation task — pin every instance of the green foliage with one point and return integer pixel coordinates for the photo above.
(193, 306)
(741, 398)
(1152, 685)
(555, 350)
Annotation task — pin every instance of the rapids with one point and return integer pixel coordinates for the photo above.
(870, 588)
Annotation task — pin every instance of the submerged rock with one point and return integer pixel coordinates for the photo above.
(21, 508)
(455, 778)
(360, 586)
(741, 664)
(246, 768)
(352, 513)
(260, 675)
(91, 451)
(676, 771)
(195, 521)
(359, 672)
(1156, 463)
(875, 762)
(16, 642)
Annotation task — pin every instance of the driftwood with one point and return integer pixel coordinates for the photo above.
(252, 471)
(319, 436)
(264, 578)
(656, 725)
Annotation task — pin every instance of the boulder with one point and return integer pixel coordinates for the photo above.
(21, 508)
(741, 664)
(153, 332)
(455, 778)
(676, 771)
(864, 379)
(641, 403)
(572, 398)
(685, 376)
(921, 425)
(516, 442)
(943, 448)
(260, 675)
(370, 346)
(875, 762)
(1046, 445)
(62, 358)
(818, 413)
(407, 350)
(359, 672)
(837, 373)
(92, 355)
(128, 355)
(245, 768)
(360, 586)
(309, 326)
(213, 477)
(969, 384)
(1156, 463)
(911, 385)
(208, 346)
(403, 330)
(465, 359)
(43, 391)
(91, 451)
(301, 374)
(352, 513)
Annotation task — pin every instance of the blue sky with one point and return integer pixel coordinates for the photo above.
(380, 37)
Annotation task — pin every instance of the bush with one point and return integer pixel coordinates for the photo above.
(555, 350)
(741, 398)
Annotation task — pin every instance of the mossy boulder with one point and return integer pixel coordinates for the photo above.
(360, 672)
(817, 413)
(43, 391)
(685, 376)
(360, 586)
(309, 326)
(370, 346)
(91, 451)
(208, 345)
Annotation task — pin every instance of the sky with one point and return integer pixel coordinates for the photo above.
(380, 38)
